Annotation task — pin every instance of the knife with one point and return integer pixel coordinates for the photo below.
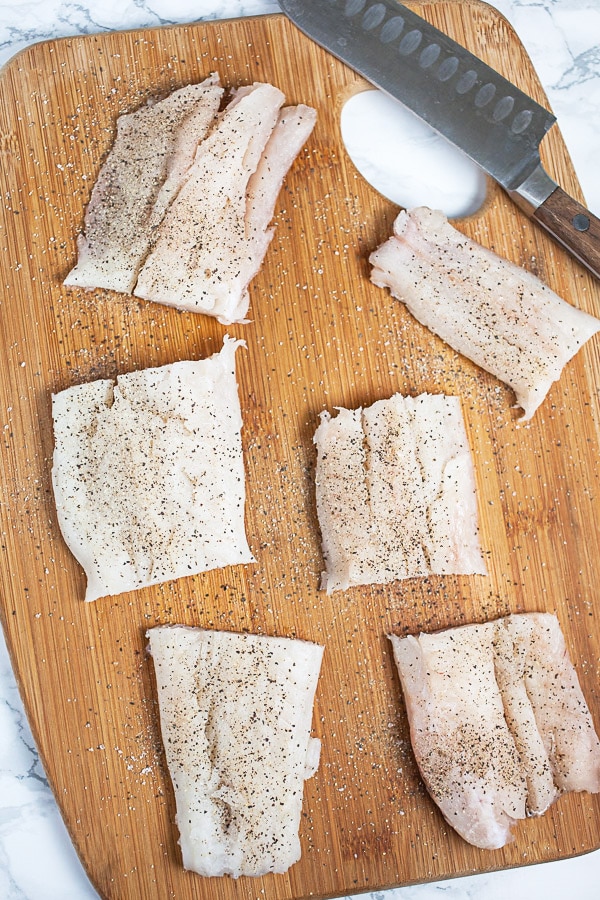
(470, 104)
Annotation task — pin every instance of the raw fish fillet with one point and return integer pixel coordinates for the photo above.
(292, 129)
(235, 713)
(561, 712)
(488, 309)
(498, 723)
(153, 148)
(148, 473)
(465, 752)
(396, 492)
(512, 640)
(214, 236)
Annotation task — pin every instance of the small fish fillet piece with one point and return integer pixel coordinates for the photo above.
(148, 473)
(498, 723)
(512, 639)
(395, 492)
(153, 148)
(292, 129)
(465, 752)
(560, 709)
(235, 714)
(488, 309)
(213, 238)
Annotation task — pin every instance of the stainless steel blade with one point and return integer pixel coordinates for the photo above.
(482, 113)
(470, 104)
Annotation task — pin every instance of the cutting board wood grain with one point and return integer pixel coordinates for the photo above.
(321, 336)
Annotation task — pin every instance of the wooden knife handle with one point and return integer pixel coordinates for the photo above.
(572, 225)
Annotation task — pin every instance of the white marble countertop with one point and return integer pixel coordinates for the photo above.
(37, 861)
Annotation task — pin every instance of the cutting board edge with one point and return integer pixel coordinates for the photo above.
(4, 616)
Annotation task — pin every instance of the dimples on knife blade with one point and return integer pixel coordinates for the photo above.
(476, 108)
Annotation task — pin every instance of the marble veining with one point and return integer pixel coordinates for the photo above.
(37, 860)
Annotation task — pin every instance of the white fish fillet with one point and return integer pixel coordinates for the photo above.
(153, 148)
(396, 492)
(148, 473)
(561, 712)
(488, 309)
(512, 639)
(462, 744)
(498, 722)
(235, 713)
(214, 236)
(292, 129)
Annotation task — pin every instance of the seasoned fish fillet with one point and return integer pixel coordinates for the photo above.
(213, 238)
(292, 129)
(153, 148)
(235, 713)
(512, 638)
(561, 712)
(493, 312)
(396, 492)
(465, 752)
(498, 722)
(148, 473)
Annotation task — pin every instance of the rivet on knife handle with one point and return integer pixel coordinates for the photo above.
(573, 226)
(474, 107)
(564, 218)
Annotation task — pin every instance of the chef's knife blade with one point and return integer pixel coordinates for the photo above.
(482, 113)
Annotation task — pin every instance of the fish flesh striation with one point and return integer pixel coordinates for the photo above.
(148, 473)
(557, 702)
(235, 716)
(200, 251)
(512, 641)
(490, 310)
(213, 238)
(498, 722)
(463, 747)
(292, 129)
(395, 491)
(152, 149)
(181, 210)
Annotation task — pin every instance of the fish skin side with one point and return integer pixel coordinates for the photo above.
(499, 725)
(148, 473)
(490, 310)
(235, 712)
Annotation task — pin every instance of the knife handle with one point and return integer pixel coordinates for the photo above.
(573, 226)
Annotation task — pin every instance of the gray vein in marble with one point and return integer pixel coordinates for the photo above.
(585, 67)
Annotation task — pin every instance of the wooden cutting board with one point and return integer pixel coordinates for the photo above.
(321, 336)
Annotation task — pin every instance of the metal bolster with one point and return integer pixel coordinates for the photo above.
(532, 192)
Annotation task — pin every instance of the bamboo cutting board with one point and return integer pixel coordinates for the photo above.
(321, 336)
